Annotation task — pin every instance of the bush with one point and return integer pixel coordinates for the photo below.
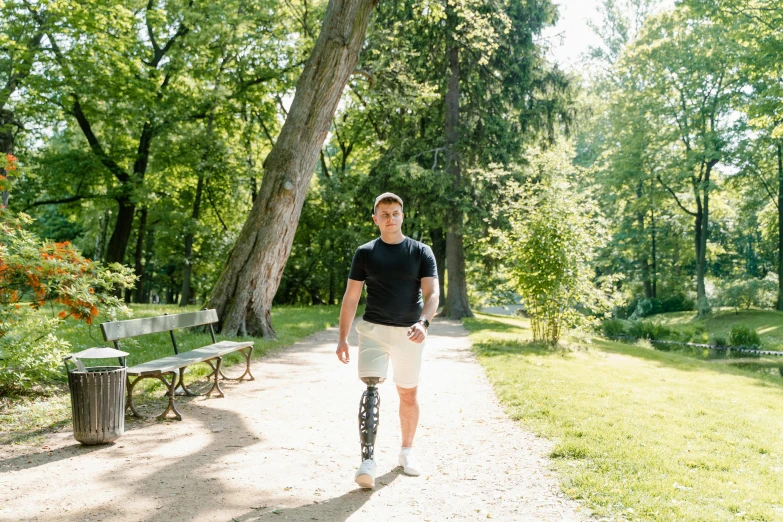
(34, 273)
(743, 336)
(720, 341)
(613, 328)
(645, 307)
(749, 293)
(648, 330)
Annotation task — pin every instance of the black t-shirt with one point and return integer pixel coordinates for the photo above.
(393, 276)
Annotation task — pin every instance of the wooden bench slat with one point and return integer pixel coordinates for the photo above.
(175, 362)
(136, 327)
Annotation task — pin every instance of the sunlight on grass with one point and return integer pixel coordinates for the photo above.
(641, 434)
(767, 323)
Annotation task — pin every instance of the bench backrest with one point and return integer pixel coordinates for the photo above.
(164, 323)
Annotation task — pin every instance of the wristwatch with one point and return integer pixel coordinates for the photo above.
(425, 322)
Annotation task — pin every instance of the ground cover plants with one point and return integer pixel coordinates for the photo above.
(642, 434)
(26, 418)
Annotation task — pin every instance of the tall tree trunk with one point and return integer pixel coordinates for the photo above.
(118, 243)
(332, 287)
(138, 266)
(780, 226)
(654, 253)
(244, 292)
(644, 259)
(702, 222)
(6, 145)
(144, 291)
(457, 305)
(439, 250)
(187, 270)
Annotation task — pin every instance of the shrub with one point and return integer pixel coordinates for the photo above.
(749, 293)
(720, 341)
(743, 336)
(645, 307)
(613, 328)
(648, 330)
(34, 273)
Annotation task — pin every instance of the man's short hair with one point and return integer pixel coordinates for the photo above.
(386, 197)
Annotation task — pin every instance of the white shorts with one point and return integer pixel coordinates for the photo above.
(378, 343)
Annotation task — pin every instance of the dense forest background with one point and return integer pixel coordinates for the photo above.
(141, 130)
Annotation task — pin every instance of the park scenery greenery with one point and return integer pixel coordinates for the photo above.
(227, 153)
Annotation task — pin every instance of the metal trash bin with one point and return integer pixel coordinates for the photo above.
(97, 396)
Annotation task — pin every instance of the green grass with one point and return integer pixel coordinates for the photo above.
(642, 434)
(26, 419)
(767, 323)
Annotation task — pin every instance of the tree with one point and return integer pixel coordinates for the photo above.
(20, 42)
(685, 65)
(243, 295)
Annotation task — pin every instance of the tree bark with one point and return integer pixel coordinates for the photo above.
(244, 292)
(702, 228)
(187, 270)
(6, 145)
(457, 305)
(654, 254)
(137, 258)
(118, 243)
(780, 225)
(439, 250)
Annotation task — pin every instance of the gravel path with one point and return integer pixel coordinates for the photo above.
(285, 447)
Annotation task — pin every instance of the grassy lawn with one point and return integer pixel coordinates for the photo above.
(767, 323)
(642, 434)
(27, 419)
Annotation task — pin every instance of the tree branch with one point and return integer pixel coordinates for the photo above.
(675, 196)
(70, 199)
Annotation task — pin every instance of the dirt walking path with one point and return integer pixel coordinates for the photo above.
(285, 447)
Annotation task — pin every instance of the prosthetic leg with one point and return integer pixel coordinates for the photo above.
(369, 415)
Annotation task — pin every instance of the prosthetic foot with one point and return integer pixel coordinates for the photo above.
(369, 415)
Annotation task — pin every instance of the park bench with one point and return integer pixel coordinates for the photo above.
(171, 370)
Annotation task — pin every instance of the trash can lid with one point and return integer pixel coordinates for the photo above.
(99, 353)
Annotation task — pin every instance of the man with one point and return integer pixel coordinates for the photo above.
(402, 298)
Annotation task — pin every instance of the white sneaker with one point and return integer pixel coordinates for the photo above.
(410, 464)
(365, 476)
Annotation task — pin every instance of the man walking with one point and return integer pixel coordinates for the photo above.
(402, 298)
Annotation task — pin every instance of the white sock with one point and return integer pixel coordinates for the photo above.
(406, 451)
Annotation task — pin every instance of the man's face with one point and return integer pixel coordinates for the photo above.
(388, 217)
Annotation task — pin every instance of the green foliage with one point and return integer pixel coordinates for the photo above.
(749, 292)
(34, 273)
(720, 341)
(742, 336)
(555, 232)
(648, 330)
(645, 307)
(613, 328)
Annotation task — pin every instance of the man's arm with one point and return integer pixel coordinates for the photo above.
(353, 291)
(431, 294)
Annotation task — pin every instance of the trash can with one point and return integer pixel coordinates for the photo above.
(97, 396)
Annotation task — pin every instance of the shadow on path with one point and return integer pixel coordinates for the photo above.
(337, 509)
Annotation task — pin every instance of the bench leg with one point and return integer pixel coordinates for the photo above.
(181, 384)
(247, 352)
(171, 407)
(129, 400)
(216, 372)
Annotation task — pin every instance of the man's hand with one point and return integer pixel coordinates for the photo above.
(342, 352)
(417, 333)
